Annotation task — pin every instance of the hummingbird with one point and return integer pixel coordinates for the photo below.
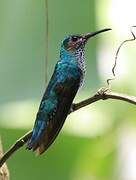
(62, 88)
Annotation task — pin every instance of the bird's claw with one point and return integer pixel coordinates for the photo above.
(71, 108)
(102, 92)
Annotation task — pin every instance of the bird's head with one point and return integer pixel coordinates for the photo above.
(74, 42)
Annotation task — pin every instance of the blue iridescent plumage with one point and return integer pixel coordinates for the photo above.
(62, 88)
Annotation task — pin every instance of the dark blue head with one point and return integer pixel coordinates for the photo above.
(74, 42)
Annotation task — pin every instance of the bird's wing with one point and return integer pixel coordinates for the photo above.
(48, 123)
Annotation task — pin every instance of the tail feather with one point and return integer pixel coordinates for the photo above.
(32, 144)
(46, 137)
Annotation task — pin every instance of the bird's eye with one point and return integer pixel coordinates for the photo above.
(74, 38)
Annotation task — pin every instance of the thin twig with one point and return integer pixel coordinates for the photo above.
(117, 53)
(47, 41)
(102, 94)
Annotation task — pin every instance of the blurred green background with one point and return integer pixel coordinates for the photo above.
(93, 141)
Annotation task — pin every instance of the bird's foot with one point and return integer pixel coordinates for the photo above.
(102, 92)
(71, 108)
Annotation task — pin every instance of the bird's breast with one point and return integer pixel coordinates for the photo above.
(81, 64)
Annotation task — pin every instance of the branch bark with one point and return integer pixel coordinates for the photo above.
(102, 94)
(4, 172)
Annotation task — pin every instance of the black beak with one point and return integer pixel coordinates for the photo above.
(87, 36)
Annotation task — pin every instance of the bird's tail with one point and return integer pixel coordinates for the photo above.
(45, 139)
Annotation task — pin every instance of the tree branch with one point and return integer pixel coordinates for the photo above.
(102, 94)
(19, 143)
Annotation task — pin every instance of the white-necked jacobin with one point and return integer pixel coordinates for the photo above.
(61, 90)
